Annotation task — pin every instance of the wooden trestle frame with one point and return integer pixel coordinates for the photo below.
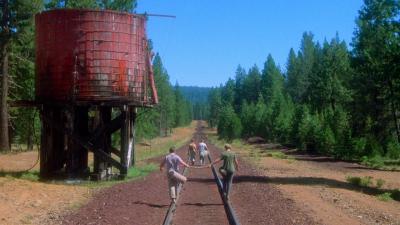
(68, 134)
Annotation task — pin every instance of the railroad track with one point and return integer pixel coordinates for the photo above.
(229, 211)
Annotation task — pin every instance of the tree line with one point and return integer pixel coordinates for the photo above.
(329, 99)
(198, 97)
(172, 111)
(17, 61)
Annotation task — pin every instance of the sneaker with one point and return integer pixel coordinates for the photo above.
(226, 197)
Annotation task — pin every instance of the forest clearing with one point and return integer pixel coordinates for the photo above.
(289, 112)
(314, 189)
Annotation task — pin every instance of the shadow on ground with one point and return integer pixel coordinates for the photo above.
(199, 204)
(309, 181)
(150, 204)
(201, 180)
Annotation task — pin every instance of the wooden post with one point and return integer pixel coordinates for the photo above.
(96, 158)
(46, 143)
(52, 141)
(125, 128)
(133, 113)
(77, 163)
(104, 142)
(105, 113)
(81, 125)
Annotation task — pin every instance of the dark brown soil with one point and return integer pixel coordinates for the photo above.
(200, 202)
(146, 201)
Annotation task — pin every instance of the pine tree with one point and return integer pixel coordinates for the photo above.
(252, 85)
(229, 125)
(16, 24)
(377, 53)
(292, 75)
(240, 76)
(119, 5)
(329, 82)
(306, 60)
(228, 92)
(215, 102)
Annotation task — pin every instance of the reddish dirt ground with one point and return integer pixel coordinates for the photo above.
(318, 185)
(266, 190)
(146, 201)
(27, 201)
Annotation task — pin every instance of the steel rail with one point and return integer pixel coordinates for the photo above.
(230, 212)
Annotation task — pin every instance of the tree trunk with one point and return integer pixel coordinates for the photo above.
(394, 110)
(29, 141)
(4, 135)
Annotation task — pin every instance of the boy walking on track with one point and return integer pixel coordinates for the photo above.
(203, 151)
(229, 166)
(172, 162)
(192, 152)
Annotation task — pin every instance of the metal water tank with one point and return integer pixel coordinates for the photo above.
(93, 56)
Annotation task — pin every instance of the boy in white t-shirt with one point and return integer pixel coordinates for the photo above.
(203, 150)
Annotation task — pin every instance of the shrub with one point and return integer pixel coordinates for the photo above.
(385, 197)
(229, 125)
(325, 140)
(278, 155)
(358, 146)
(375, 162)
(360, 181)
(373, 147)
(393, 149)
(380, 183)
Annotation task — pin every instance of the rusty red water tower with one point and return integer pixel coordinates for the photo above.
(93, 69)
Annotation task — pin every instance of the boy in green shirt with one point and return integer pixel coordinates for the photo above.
(229, 166)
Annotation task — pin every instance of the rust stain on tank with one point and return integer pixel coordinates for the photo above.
(123, 83)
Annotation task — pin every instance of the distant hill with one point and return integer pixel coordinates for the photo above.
(195, 94)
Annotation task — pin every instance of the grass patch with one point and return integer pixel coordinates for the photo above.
(25, 175)
(381, 163)
(159, 149)
(27, 219)
(389, 195)
(253, 152)
(278, 155)
(136, 172)
(382, 194)
(380, 183)
(159, 146)
(386, 196)
(133, 174)
(360, 181)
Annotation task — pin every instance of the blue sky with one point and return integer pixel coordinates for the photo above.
(209, 38)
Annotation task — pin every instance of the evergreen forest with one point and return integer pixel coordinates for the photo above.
(331, 98)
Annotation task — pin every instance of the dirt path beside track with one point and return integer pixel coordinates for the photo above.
(319, 186)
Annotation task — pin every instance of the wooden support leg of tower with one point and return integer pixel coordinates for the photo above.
(77, 163)
(125, 134)
(133, 113)
(103, 143)
(52, 155)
